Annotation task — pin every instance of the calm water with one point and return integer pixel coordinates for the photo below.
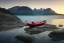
(9, 36)
(51, 19)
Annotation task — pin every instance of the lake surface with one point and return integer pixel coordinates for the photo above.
(9, 36)
(50, 19)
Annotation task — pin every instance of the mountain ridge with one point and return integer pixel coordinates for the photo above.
(24, 10)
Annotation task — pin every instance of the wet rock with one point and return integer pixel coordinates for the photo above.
(57, 35)
(39, 29)
(25, 38)
(33, 31)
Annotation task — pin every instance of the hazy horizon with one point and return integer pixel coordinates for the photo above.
(56, 5)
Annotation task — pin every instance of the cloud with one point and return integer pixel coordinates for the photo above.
(31, 0)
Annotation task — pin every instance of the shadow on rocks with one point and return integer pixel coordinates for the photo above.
(57, 35)
(34, 30)
(25, 38)
(40, 29)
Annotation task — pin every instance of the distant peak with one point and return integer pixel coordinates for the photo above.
(48, 9)
(20, 6)
(39, 9)
(25, 7)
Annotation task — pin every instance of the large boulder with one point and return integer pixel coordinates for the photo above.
(57, 35)
(8, 21)
(39, 29)
(25, 38)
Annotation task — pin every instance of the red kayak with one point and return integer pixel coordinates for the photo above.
(32, 24)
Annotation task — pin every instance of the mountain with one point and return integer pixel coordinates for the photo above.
(41, 11)
(8, 21)
(38, 11)
(23, 10)
(49, 11)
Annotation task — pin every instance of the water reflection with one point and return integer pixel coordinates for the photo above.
(58, 22)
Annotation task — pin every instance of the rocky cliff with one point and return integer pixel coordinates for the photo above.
(9, 21)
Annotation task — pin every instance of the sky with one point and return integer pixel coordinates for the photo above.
(56, 5)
